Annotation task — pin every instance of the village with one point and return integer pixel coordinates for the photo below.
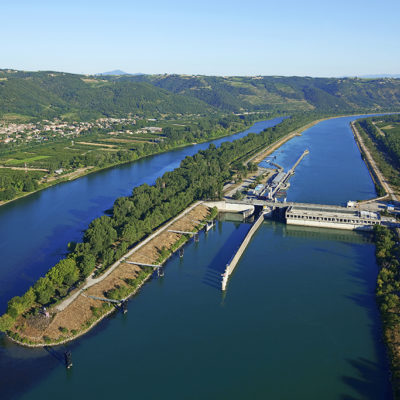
(45, 130)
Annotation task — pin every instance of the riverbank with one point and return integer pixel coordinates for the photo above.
(373, 168)
(82, 172)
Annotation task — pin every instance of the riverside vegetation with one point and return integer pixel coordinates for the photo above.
(109, 237)
(387, 292)
(382, 136)
(96, 149)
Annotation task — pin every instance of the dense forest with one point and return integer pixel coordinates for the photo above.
(107, 238)
(49, 94)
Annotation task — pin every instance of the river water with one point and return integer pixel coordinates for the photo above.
(298, 320)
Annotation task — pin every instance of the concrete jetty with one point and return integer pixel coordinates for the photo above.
(235, 259)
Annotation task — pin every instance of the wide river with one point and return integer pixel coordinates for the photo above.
(298, 320)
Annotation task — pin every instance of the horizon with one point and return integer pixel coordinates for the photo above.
(214, 39)
(113, 73)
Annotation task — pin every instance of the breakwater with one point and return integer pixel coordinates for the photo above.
(236, 257)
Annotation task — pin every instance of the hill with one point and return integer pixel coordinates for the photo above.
(48, 94)
(54, 94)
(281, 93)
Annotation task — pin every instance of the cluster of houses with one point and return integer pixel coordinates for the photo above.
(45, 129)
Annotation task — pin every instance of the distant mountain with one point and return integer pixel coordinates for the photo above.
(118, 72)
(396, 76)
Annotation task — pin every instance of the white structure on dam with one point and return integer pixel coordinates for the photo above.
(331, 217)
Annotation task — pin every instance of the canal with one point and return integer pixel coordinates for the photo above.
(298, 319)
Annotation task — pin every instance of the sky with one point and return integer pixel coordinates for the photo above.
(219, 37)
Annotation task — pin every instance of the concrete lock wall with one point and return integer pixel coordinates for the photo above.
(231, 266)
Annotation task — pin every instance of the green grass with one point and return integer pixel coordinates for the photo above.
(14, 161)
(14, 117)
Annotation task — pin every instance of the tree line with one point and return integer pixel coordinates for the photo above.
(387, 293)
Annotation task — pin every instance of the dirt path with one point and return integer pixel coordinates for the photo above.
(70, 175)
(24, 169)
(380, 131)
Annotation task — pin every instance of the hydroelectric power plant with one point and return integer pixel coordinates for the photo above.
(263, 203)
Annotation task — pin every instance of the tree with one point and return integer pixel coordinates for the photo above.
(28, 299)
(44, 290)
(15, 307)
(100, 234)
(6, 322)
(237, 195)
(64, 272)
(87, 264)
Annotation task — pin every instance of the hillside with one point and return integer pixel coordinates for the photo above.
(54, 94)
(282, 93)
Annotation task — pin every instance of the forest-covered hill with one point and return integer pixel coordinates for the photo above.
(48, 94)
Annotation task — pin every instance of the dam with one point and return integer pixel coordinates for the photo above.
(359, 217)
(331, 217)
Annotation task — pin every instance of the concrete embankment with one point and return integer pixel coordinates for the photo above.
(235, 259)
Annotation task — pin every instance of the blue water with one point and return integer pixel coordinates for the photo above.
(298, 321)
(333, 172)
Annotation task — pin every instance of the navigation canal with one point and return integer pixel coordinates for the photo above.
(298, 320)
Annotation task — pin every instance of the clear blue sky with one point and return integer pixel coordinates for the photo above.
(219, 37)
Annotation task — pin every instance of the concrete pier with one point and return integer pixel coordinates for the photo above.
(235, 259)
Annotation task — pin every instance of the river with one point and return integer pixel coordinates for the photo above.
(298, 320)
